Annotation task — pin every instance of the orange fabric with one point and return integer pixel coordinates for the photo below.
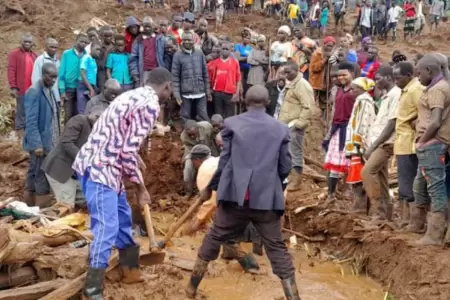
(354, 172)
(316, 69)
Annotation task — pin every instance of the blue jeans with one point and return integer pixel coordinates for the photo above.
(429, 184)
(110, 220)
(20, 114)
(36, 181)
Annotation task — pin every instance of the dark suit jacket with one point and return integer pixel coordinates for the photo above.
(255, 157)
(58, 163)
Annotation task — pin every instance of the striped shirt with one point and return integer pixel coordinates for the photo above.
(112, 147)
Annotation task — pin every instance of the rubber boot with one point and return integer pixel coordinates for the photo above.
(257, 248)
(43, 201)
(196, 277)
(290, 288)
(418, 218)
(295, 182)
(93, 285)
(435, 230)
(246, 260)
(29, 198)
(404, 215)
(360, 205)
(129, 265)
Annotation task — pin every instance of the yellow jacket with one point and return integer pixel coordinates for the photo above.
(298, 103)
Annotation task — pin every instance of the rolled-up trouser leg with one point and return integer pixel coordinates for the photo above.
(268, 225)
(229, 223)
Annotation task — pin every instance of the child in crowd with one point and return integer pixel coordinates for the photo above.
(87, 86)
(117, 64)
(324, 17)
(393, 15)
(293, 13)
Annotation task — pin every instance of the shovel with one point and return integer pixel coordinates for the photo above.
(194, 206)
(156, 256)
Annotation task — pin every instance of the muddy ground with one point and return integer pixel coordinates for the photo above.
(382, 253)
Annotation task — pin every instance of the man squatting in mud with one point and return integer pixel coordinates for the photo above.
(111, 153)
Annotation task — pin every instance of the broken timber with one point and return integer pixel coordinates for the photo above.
(32, 292)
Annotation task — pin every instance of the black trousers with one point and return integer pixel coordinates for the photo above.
(230, 222)
(70, 104)
(223, 105)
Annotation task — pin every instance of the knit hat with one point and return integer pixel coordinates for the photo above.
(285, 29)
(364, 83)
(329, 39)
(200, 151)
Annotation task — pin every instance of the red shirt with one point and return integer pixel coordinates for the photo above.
(343, 106)
(211, 66)
(29, 63)
(150, 61)
(226, 75)
(176, 33)
(128, 41)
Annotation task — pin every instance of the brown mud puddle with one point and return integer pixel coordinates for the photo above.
(316, 280)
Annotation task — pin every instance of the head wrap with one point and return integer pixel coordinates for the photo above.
(364, 83)
(366, 40)
(261, 38)
(285, 29)
(328, 40)
(200, 151)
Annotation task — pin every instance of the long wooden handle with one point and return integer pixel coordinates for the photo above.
(153, 246)
(194, 206)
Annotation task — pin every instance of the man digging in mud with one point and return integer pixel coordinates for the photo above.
(109, 155)
(258, 198)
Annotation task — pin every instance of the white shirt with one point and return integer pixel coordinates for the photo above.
(419, 8)
(313, 14)
(387, 112)
(365, 18)
(394, 14)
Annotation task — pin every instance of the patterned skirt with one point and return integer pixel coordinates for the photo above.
(335, 160)
(409, 24)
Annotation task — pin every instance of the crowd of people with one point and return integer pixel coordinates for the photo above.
(249, 103)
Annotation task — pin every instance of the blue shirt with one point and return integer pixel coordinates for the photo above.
(69, 70)
(303, 6)
(118, 63)
(244, 51)
(352, 56)
(338, 6)
(89, 65)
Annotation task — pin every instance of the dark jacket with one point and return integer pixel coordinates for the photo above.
(16, 70)
(136, 62)
(208, 41)
(372, 16)
(272, 87)
(38, 119)
(58, 163)
(129, 38)
(168, 59)
(190, 74)
(255, 158)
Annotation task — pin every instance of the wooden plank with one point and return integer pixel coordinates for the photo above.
(32, 292)
(19, 277)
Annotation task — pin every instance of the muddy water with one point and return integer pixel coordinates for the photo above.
(316, 280)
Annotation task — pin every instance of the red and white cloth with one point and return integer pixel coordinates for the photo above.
(335, 160)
